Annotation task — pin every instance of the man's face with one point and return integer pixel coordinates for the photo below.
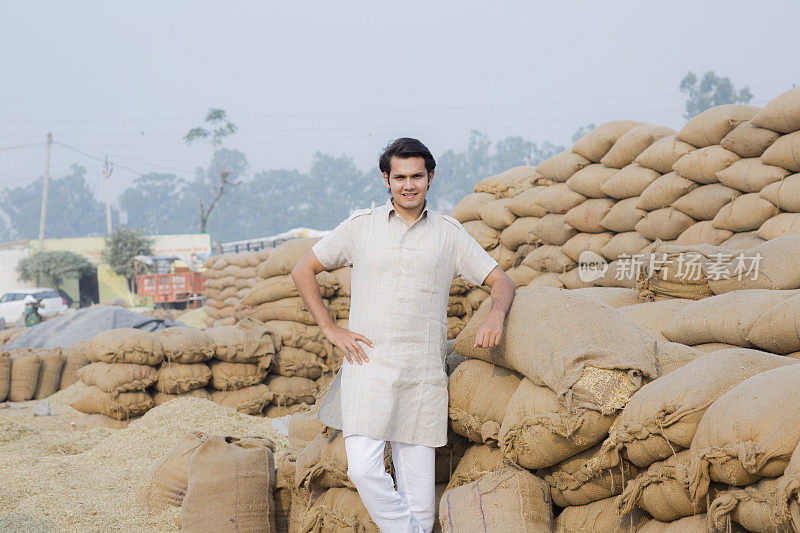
(409, 181)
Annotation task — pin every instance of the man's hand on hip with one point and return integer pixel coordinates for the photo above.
(347, 342)
(489, 333)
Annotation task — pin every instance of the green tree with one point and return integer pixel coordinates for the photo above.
(221, 128)
(154, 204)
(711, 90)
(122, 246)
(53, 267)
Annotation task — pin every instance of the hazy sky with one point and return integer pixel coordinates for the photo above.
(128, 79)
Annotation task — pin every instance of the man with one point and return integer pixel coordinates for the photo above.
(393, 384)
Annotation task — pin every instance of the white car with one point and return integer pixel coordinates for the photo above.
(12, 305)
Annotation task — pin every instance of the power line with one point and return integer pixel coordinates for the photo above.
(6, 148)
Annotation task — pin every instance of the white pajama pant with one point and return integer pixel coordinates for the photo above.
(409, 509)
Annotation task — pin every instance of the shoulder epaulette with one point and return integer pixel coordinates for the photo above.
(451, 220)
(359, 212)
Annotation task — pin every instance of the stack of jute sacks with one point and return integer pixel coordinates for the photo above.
(227, 279)
(728, 178)
(304, 360)
(30, 373)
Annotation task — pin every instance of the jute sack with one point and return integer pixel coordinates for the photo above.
(339, 307)
(751, 175)
(662, 154)
(126, 345)
(703, 232)
(590, 180)
(776, 330)
(595, 144)
(25, 365)
(625, 244)
(623, 215)
(572, 279)
(479, 394)
(672, 356)
(745, 213)
(290, 361)
(663, 416)
(562, 166)
(522, 205)
(239, 260)
(304, 426)
(777, 267)
(779, 226)
(558, 198)
(689, 524)
(309, 338)
(118, 377)
(618, 274)
(279, 411)
(748, 140)
(282, 494)
(120, 406)
(477, 461)
(447, 457)
(249, 400)
(454, 326)
(230, 483)
(651, 316)
(702, 166)
(497, 214)
(748, 433)
(664, 191)
(665, 224)
(284, 257)
(486, 236)
(278, 287)
(241, 345)
(322, 464)
(553, 229)
(538, 431)
(616, 297)
(782, 113)
(705, 202)
(592, 335)
(710, 126)
(724, 318)
(291, 309)
(232, 376)
(586, 217)
(788, 492)
(785, 194)
(518, 232)
(49, 373)
(784, 153)
(476, 297)
(663, 490)
(176, 378)
(166, 481)
(509, 183)
(510, 499)
(337, 509)
(163, 397)
(713, 347)
(458, 305)
(546, 279)
(521, 275)
(459, 286)
(291, 390)
(753, 507)
(505, 258)
(467, 209)
(571, 483)
(5, 375)
(186, 345)
(632, 143)
(602, 515)
(630, 181)
(742, 241)
(582, 242)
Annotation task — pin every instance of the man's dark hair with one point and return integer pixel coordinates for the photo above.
(405, 148)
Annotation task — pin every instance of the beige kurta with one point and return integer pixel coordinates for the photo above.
(400, 286)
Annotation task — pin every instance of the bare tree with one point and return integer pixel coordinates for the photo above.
(220, 128)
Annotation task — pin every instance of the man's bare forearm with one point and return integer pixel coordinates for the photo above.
(306, 282)
(502, 294)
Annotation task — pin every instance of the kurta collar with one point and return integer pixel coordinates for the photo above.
(390, 209)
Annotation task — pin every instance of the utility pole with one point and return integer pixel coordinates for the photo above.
(107, 170)
(44, 191)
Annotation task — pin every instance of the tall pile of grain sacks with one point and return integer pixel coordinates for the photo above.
(31, 373)
(227, 279)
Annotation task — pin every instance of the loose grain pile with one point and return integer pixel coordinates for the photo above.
(88, 480)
